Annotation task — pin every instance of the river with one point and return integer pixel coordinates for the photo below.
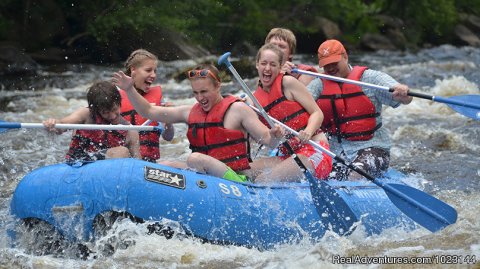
(438, 149)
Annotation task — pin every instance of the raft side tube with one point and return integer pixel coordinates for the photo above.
(207, 207)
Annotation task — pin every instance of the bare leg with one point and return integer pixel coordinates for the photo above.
(176, 164)
(117, 152)
(283, 171)
(207, 165)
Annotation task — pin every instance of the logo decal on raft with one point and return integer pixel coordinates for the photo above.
(165, 177)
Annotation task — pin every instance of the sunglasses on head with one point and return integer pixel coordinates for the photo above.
(203, 73)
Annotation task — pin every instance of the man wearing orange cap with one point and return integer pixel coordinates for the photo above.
(352, 114)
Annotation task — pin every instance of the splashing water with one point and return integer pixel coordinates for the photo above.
(435, 146)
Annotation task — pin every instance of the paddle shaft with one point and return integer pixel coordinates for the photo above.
(373, 86)
(17, 125)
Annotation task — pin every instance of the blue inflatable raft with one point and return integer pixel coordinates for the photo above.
(70, 198)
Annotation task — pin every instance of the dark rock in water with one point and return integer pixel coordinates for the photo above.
(15, 62)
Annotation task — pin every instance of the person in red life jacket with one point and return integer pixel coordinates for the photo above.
(141, 65)
(286, 41)
(90, 145)
(287, 100)
(352, 114)
(218, 126)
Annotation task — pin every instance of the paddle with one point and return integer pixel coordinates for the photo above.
(4, 126)
(467, 105)
(421, 207)
(325, 198)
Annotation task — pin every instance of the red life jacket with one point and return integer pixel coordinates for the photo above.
(207, 134)
(149, 140)
(305, 68)
(291, 113)
(348, 112)
(86, 144)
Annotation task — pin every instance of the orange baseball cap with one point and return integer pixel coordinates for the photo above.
(329, 52)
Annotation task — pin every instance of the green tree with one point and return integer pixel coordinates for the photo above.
(468, 6)
(5, 22)
(217, 25)
(426, 20)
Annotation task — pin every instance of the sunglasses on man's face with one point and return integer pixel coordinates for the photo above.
(203, 73)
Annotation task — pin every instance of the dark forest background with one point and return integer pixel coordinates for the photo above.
(106, 31)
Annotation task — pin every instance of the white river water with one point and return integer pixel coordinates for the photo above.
(438, 148)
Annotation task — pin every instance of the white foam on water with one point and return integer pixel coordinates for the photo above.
(421, 131)
(456, 85)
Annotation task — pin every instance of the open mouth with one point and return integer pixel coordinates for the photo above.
(266, 78)
(204, 103)
(332, 72)
(148, 84)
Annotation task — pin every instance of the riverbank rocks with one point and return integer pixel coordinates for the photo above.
(472, 22)
(465, 36)
(391, 35)
(467, 32)
(244, 65)
(376, 42)
(13, 61)
(169, 46)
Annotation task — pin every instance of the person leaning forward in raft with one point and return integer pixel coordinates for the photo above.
(217, 126)
(352, 114)
(286, 99)
(90, 145)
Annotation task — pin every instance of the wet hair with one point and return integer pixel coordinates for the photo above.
(283, 34)
(212, 69)
(136, 58)
(103, 96)
(273, 48)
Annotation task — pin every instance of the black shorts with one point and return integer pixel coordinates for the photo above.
(374, 161)
(91, 157)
